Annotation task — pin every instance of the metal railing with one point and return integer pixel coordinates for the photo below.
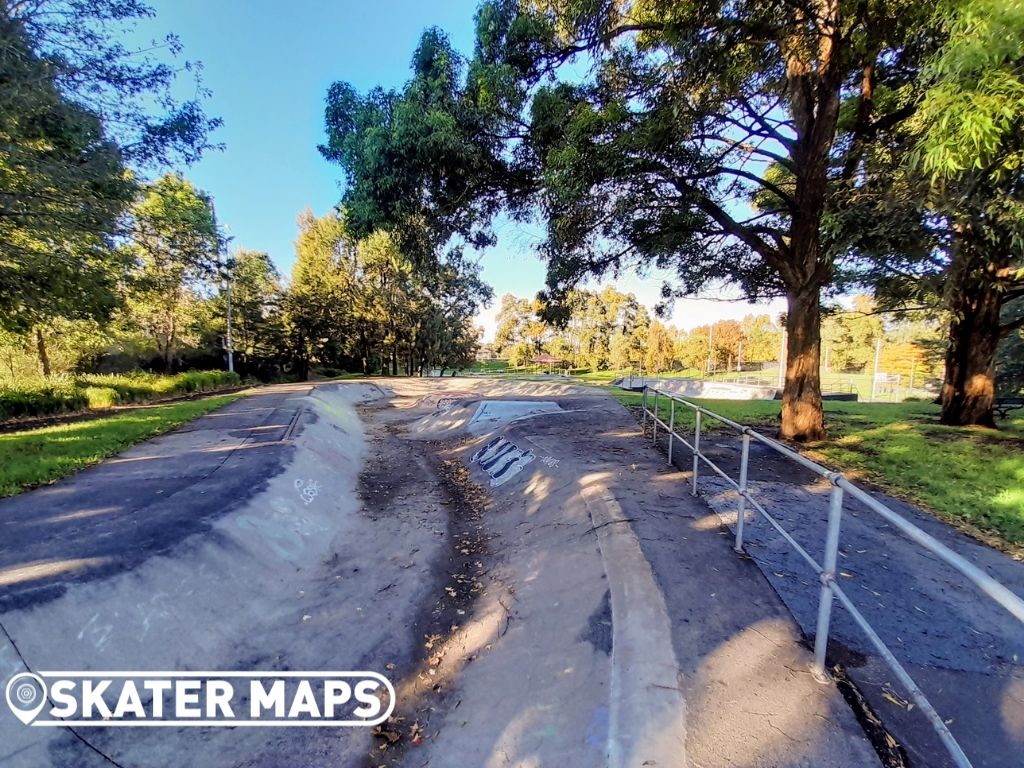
(826, 570)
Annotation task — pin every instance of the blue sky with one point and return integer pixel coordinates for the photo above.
(269, 65)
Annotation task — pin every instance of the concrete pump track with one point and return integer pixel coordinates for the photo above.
(525, 567)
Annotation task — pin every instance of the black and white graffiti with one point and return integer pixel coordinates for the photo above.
(502, 460)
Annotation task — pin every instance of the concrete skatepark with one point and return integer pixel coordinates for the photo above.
(538, 584)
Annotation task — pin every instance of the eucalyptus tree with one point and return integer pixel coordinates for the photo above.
(971, 146)
(700, 137)
(940, 217)
(130, 88)
(78, 108)
(177, 248)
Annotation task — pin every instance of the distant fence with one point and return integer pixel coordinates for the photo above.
(826, 569)
(883, 388)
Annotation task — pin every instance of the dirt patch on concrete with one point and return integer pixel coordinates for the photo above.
(401, 476)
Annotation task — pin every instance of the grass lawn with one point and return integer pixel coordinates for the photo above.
(39, 456)
(970, 476)
(488, 366)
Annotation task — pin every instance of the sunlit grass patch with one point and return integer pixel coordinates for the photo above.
(967, 474)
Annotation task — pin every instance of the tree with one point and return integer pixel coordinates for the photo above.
(320, 304)
(256, 296)
(129, 90)
(971, 137)
(660, 348)
(629, 343)
(851, 336)
(692, 109)
(62, 189)
(364, 303)
(761, 339)
(953, 175)
(177, 247)
(692, 348)
(76, 109)
(728, 344)
(512, 319)
(521, 354)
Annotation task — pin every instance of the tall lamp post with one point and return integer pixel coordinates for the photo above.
(228, 344)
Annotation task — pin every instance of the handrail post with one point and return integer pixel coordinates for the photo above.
(827, 576)
(643, 410)
(696, 449)
(741, 511)
(654, 421)
(671, 427)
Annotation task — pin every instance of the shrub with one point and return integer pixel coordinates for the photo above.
(101, 397)
(25, 400)
(48, 397)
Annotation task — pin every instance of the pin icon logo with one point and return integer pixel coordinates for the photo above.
(26, 696)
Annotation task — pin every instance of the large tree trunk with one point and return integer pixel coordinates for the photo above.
(802, 416)
(968, 388)
(44, 357)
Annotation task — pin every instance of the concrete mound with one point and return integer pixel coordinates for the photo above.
(456, 416)
(206, 605)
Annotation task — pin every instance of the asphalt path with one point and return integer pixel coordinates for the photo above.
(117, 514)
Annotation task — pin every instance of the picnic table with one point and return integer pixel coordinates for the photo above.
(1003, 405)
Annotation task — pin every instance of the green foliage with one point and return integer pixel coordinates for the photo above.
(850, 337)
(176, 246)
(63, 187)
(970, 117)
(132, 91)
(47, 397)
(77, 109)
(366, 305)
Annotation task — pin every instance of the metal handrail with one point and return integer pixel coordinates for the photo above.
(826, 570)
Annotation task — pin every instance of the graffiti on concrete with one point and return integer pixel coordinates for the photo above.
(442, 402)
(550, 461)
(308, 489)
(502, 460)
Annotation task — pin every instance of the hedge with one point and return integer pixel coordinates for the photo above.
(48, 397)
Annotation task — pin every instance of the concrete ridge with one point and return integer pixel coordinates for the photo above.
(647, 717)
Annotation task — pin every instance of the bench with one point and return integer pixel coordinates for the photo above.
(1003, 405)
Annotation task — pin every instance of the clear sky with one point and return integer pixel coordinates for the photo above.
(269, 64)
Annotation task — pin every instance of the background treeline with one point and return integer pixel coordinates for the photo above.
(350, 305)
(114, 270)
(786, 149)
(609, 330)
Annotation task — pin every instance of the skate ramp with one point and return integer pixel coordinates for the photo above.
(590, 662)
(472, 415)
(217, 601)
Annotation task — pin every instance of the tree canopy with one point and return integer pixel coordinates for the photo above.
(712, 140)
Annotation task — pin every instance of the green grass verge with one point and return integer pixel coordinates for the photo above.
(40, 456)
(488, 366)
(968, 475)
(66, 394)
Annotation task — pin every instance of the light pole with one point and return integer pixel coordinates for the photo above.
(228, 343)
(711, 347)
(227, 337)
(878, 360)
